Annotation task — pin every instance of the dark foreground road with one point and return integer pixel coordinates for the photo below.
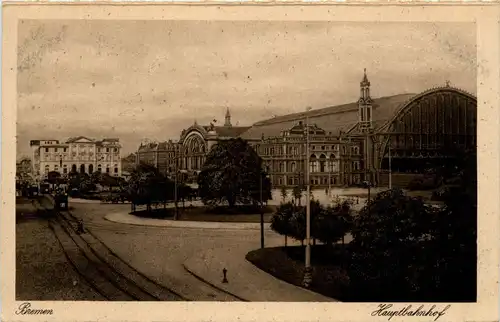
(42, 271)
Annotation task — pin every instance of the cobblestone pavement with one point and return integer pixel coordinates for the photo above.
(42, 270)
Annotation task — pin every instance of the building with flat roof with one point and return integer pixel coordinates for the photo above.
(78, 154)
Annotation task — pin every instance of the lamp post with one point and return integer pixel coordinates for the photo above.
(176, 215)
(307, 271)
(390, 165)
(330, 165)
(261, 177)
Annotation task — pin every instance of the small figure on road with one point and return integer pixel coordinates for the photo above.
(224, 272)
(79, 228)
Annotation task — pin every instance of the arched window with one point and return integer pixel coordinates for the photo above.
(107, 169)
(313, 163)
(99, 168)
(82, 168)
(116, 169)
(91, 168)
(47, 169)
(65, 168)
(293, 167)
(56, 168)
(73, 168)
(331, 163)
(282, 167)
(322, 163)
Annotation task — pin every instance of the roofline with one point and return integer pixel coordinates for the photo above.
(321, 111)
(429, 91)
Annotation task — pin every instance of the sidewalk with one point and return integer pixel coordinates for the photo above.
(79, 200)
(244, 279)
(125, 218)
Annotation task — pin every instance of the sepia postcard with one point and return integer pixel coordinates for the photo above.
(250, 162)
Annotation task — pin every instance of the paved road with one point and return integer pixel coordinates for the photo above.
(42, 270)
(160, 252)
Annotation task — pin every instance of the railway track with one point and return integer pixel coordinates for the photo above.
(112, 277)
(109, 275)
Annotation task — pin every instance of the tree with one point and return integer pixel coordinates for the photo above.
(298, 221)
(454, 232)
(297, 194)
(386, 247)
(284, 193)
(333, 223)
(280, 221)
(107, 180)
(232, 173)
(53, 177)
(401, 244)
(147, 186)
(96, 177)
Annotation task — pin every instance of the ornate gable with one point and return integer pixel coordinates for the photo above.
(80, 139)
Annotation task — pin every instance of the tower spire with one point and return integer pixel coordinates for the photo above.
(365, 103)
(228, 118)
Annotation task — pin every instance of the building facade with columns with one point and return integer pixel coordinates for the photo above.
(79, 154)
(350, 143)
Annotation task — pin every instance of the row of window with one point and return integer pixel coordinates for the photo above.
(82, 168)
(66, 149)
(80, 156)
(296, 151)
(293, 181)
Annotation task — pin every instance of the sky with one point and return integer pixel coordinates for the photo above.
(150, 79)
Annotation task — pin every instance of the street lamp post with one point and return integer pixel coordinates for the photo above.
(307, 271)
(176, 215)
(261, 213)
(390, 165)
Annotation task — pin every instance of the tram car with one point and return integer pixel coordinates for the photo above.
(61, 200)
(33, 191)
(44, 188)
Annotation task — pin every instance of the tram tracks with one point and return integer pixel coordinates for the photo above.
(109, 275)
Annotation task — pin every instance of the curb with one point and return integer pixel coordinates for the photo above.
(193, 223)
(198, 277)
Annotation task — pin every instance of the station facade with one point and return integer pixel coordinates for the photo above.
(348, 144)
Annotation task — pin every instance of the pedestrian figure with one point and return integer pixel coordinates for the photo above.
(80, 229)
(224, 272)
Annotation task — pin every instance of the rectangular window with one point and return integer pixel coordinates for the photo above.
(55, 149)
(46, 149)
(107, 149)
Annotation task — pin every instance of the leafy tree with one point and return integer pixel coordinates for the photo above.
(454, 233)
(96, 177)
(297, 194)
(401, 244)
(284, 193)
(298, 221)
(232, 173)
(77, 180)
(53, 177)
(386, 235)
(107, 180)
(147, 186)
(334, 223)
(280, 221)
